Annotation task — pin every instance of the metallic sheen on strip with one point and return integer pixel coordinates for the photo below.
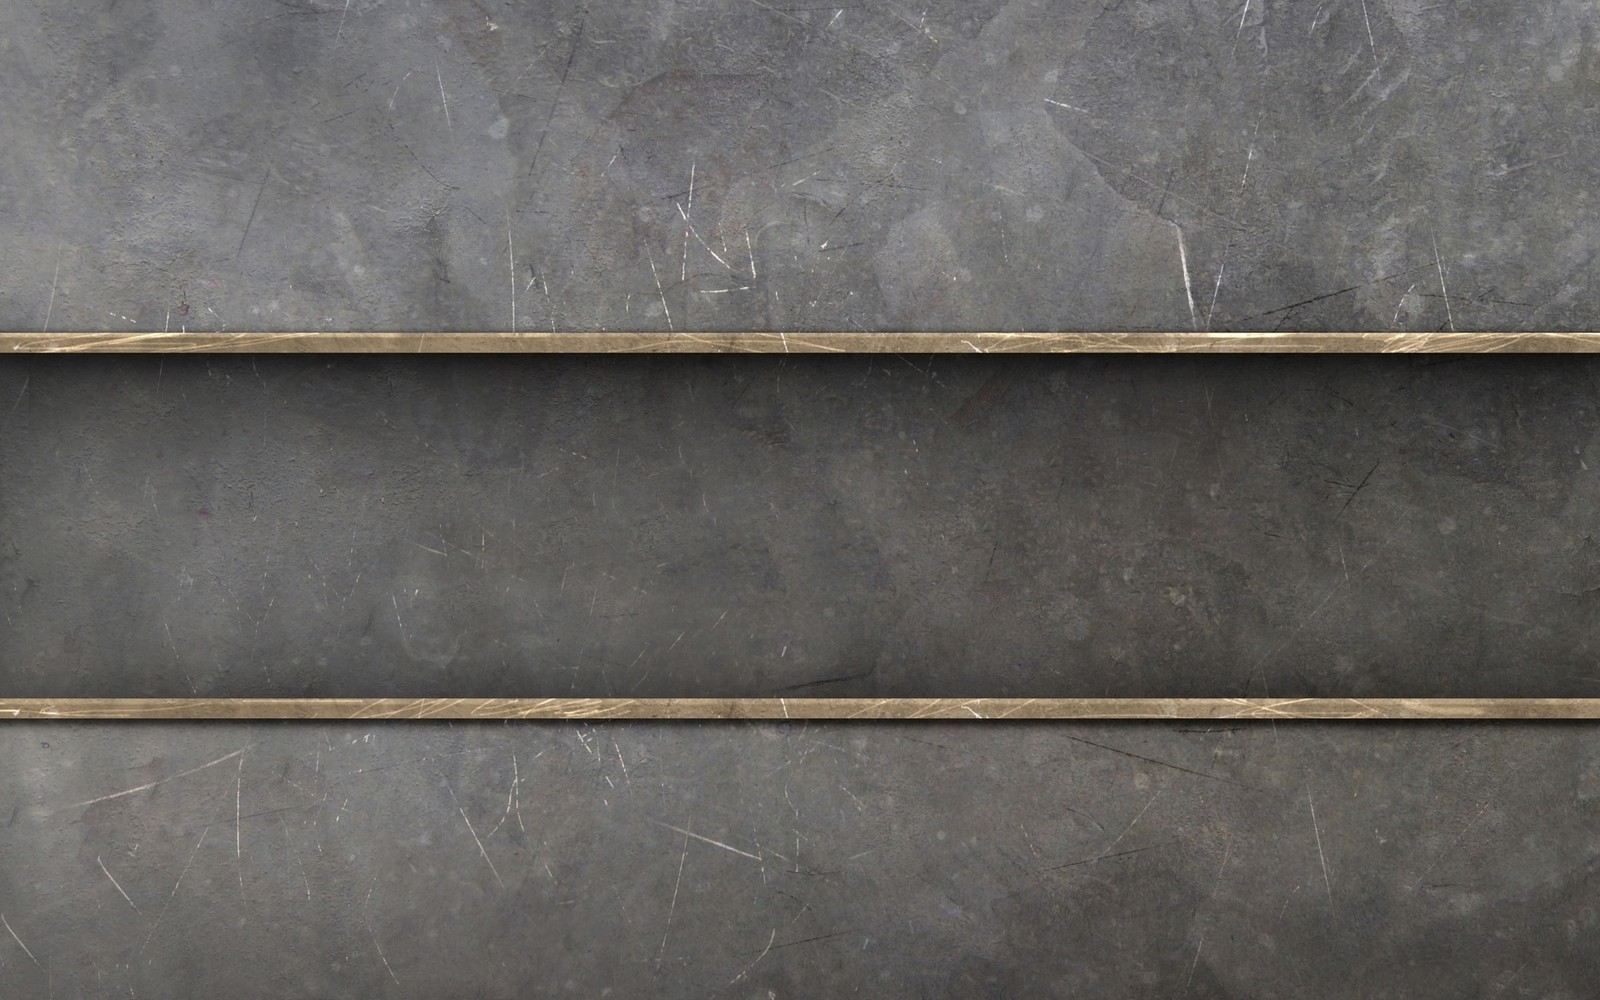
(799, 343)
(799, 708)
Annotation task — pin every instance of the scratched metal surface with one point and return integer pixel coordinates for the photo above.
(738, 164)
(809, 342)
(903, 526)
(772, 860)
(308, 165)
(782, 709)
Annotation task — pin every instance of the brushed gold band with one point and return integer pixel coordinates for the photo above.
(799, 708)
(798, 343)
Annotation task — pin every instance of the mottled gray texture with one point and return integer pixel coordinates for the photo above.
(1081, 526)
(807, 525)
(899, 526)
(985, 860)
(312, 164)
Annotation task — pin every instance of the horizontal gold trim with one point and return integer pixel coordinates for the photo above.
(799, 343)
(799, 708)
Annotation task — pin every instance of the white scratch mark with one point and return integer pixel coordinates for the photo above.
(1453, 843)
(114, 882)
(238, 825)
(684, 276)
(474, 833)
(511, 257)
(342, 15)
(1195, 964)
(381, 955)
(18, 940)
(549, 306)
(673, 907)
(1401, 305)
(48, 310)
(1357, 92)
(511, 795)
(1327, 882)
(153, 784)
(1505, 168)
(659, 290)
(175, 885)
(1244, 179)
(1368, 19)
(1442, 289)
(1069, 107)
(516, 789)
(1130, 826)
(708, 840)
(1188, 289)
(1214, 293)
(750, 248)
(443, 100)
(397, 87)
(701, 240)
(770, 938)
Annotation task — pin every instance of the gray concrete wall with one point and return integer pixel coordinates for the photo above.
(384, 164)
(754, 860)
(1164, 526)
(847, 526)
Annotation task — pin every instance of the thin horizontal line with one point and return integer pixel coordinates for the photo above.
(291, 342)
(799, 708)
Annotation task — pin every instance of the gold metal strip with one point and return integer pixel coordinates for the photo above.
(799, 343)
(799, 708)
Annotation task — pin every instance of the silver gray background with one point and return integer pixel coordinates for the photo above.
(912, 526)
(388, 164)
(288, 164)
